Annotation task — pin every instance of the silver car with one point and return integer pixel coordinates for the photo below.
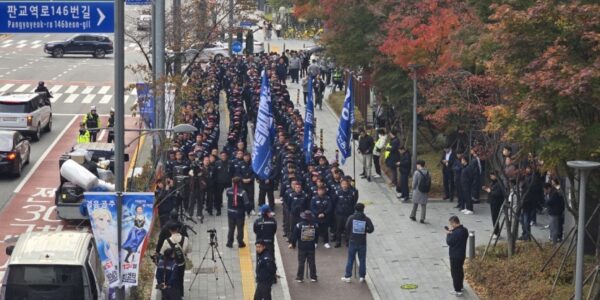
(29, 113)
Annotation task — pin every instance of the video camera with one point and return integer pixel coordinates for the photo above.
(213, 236)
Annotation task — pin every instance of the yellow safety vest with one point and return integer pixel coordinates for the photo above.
(83, 138)
(388, 149)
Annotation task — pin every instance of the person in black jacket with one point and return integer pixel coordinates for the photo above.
(223, 171)
(265, 271)
(447, 161)
(265, 190)
(305, 236)
(405, 165)
(265, 227)
(238, 205)
(344, 206)
(322, 206)
(247, 174)
(456, 171)
(496, 198)
(456, 238)
(556, 209)
(365, 147)
(466, 182)
(358, 226)
(165, 199)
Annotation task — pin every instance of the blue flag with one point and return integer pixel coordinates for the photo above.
(262, 153)
(309, 123)
(346, 121)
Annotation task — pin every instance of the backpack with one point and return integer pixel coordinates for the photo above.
(178, 251)
(425, 182)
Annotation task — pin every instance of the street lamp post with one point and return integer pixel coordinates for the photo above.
(414, 68)
(584, 168)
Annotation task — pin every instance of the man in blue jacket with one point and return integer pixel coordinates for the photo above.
(357, 228)
(238, 205)
(265, 271)
(456, 238)
(305, 236)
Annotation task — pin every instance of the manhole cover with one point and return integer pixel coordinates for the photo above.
(409, 286)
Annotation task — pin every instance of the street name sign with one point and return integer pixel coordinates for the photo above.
(57, 17)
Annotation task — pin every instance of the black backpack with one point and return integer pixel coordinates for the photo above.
(178, 251)
(425, 182)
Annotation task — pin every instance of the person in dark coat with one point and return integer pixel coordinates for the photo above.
(456, 171)
(165, 200)
(249, 42)
(344, 207)
(305, 237)
(456, 238)
(281, 70)
(358, 226)
(265, 271)
(404, 165)
(322, 208)
(496, 199)
(265, 190)
(556, 210)
(223, 171)
(530, 188)
(466, 182)
(265, 227)
(238, 205)
(365, 148)
(447, 161)
(167, 276)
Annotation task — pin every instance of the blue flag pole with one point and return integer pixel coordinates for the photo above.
(309, 123)
(346, 120)
(262, 164)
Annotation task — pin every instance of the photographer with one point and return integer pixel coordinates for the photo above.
(165, 200)
(167, 276)
(177, 240)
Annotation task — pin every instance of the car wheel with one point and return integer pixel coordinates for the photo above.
(38, 133)
(28, 156)
(49, 125)
(99, 53)
(18, 169)
(58, 52)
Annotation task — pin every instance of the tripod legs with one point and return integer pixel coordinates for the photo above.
(213, 248)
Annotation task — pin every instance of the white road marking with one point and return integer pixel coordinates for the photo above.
(36, 42)
(22, 42)
(47, 35)
(88, 98)
(71, 98)
(6, 87)
(43, 157)
(22, 88)
(56, 88)
(132, 45)
(104, 90)
(36, 46)
(105, 99)
(21, 45)
(87, 90)
(72, 89)
(101, 135)
(55, 97)
(6, 45)
(7, 41)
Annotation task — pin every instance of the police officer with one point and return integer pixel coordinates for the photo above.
(92, 121)
(84, 135)
(111, 125)
(265, 227)
(297, 203)
(265, 271)
(345, 201)
(247, 174)
(238, 205)
(223, 176)
(305, 236)
(321, 207)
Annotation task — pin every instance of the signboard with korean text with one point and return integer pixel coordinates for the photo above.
(56, 17)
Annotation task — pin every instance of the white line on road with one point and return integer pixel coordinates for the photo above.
(21, 45)
(55, 88)
(6, 45)
(7, 41)
(71, 89)
(105, 99)
(104, 90)
(6, 87)
(36, 46)
(22, 42)
(22, 88)
(71, 98)
(43, 157)
(36, 42)
(88, 98)
(55, 97)
(47, 35)
(87, 90)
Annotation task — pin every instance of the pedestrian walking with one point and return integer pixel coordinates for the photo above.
(238, 204)
(377, 149)
(357, 227)
(305, 236)
(392, 159)
(456, 238)
(421, 186)
(365, 148)
(265, 271)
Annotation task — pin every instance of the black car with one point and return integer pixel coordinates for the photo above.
(14, 152)
(96, 45)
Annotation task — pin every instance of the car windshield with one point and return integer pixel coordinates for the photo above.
(6, 142)
(12, 107)
(44, 282)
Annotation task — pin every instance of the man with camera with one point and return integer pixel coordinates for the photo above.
(238, 204)
(167, 276)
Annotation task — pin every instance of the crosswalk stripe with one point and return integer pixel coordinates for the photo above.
(22, 88)
(7, 41)
(36, 42)
(104, 90)
(6, 45)
(36, 46)
(87, 90)
(105, 99)
(71, 89)
(56, 88)
(22, 42)
(88, 98)
(21, 45)
(71, 98)
(55, 97)
(6, 87)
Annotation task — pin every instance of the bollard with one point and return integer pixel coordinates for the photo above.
(269, 48)
(283, 48)
(471, 244)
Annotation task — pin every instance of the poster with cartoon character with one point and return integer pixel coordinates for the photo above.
(137, 217)
(102, 209)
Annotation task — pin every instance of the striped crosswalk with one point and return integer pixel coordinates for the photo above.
(69, 94)
(38, 44)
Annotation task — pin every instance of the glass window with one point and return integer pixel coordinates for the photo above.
(13, 107)
(44, 282)
(6, 142)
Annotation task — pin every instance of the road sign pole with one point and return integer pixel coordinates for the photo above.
(119, 122)
(160, 64)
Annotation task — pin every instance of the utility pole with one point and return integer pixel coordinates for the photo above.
(119, 141)
(176, 10)
(414, 68)
(231, 8)
(159, 51)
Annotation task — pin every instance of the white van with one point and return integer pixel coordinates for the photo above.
(54, 265)
(27, 113)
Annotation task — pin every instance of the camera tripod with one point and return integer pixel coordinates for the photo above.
(213, 246)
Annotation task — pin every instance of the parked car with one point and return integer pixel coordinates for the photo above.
(54, 265)
(96, 45)
(218, 50)
(27, 113)
(144, 22)
(14, 152)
